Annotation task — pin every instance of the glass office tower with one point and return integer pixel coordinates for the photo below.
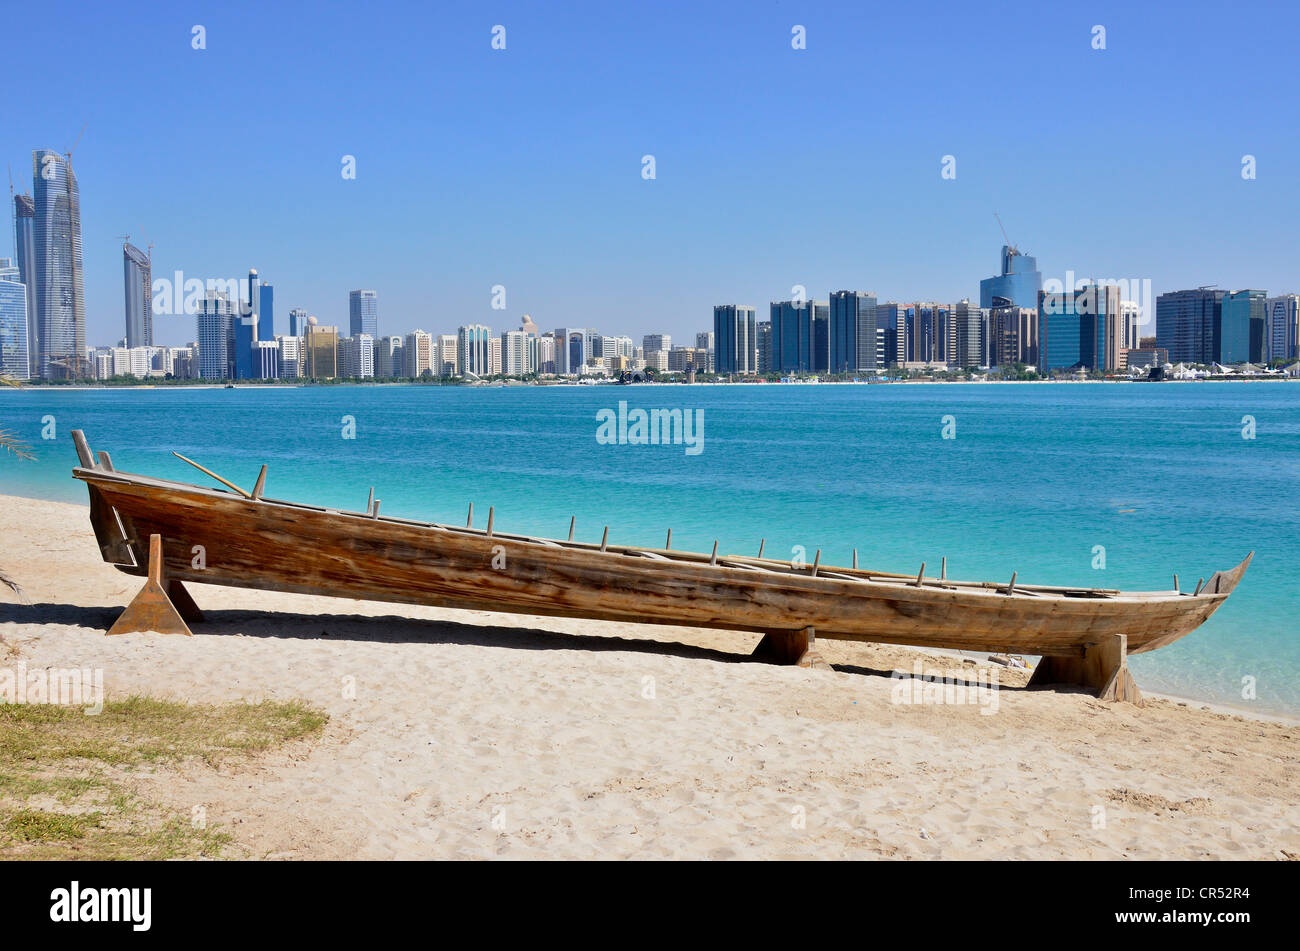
(266, 316)
(735, 339)
(137, 277)
(1189, 324)
(363, 313)
(852, 331)
(1241, 337)
(1019, 282)
(1081, 329)
(800, 336)
(60, 295)
(25, 247)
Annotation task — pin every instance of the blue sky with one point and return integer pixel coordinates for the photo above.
(774, 166)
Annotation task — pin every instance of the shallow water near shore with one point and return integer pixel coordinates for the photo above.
(1101, 485)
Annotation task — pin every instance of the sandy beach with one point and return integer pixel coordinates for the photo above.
(476, 735)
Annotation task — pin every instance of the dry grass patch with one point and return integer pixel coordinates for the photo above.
(65, 789)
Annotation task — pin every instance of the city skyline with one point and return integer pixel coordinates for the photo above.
(503, 186)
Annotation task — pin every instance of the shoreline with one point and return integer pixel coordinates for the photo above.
(47, 387)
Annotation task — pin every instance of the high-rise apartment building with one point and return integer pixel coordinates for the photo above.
(704, 341)
(446, 356)
(291, 362)
(971, 338)
(417, 354)
(388, 358)
(215, 319)
(13, 323)
(357, 357)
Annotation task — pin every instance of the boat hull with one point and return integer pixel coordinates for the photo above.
(283, 546)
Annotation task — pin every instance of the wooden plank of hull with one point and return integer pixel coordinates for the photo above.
(306, 550)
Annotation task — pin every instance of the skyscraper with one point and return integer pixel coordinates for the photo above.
(357, 357)
(852, 331)
(388, 358)
(473, 345)
(800, 336)
(1018, 284)
(363, 313)
(970, 337)
(763, 360)
(735, 336)
(13, 323)
(1241, 338)
(321, 351)
(1014, 332)
(417, 354)
(297, 322)
(266, 316)
(446, 360)
(930, 333)
(25, 247)
(56, 241)
(1081, 328)
(216, 319)
(1282, 330)
(891, 334)
(253, 308)
(137, 277)
(1189, 324)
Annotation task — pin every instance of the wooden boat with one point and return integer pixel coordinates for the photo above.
(157, 527)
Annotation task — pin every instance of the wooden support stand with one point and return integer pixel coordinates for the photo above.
(158, 608)
(1102, 667)
(790, 648)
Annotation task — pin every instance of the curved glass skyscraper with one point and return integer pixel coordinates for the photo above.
(1018, 284)
(60, 296)
(137, 275)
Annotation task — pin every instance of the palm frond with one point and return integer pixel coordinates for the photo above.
(11, 442)
(12, 585)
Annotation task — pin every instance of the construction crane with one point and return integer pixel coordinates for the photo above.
(68, 154)
(1005, 237)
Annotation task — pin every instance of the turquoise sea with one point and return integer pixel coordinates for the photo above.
(1037, 476)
